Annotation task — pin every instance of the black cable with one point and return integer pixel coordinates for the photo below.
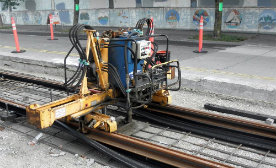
(79, 74)
(107, 151)
(140, 24)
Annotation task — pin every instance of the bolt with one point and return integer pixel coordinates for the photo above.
(112, 119)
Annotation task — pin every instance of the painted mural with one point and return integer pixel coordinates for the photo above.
(123, 17)
(172, 17)
(197, 15)
(233, 18)
(63, 13)
(240, 19)
(267, 19)
(250, 19)
(103, 18)
(37, 18)
(84, 18)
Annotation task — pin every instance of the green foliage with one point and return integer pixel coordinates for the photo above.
(10, 4)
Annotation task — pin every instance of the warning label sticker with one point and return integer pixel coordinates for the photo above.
(60, 113)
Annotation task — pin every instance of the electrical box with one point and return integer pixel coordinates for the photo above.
(143, 49)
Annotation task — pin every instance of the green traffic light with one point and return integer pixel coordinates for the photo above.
(77, 7)
(220, 6)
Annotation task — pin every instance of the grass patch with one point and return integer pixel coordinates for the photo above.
(224, 37)
(5, 27)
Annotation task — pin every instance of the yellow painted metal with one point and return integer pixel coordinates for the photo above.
(165, 63)
(83, 103)
(171, 73)
(101, 121)
(99, 65)
(44, 116)
(163, 97)
(104, 52)
(86, 104)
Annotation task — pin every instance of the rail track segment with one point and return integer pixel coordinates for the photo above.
(117, 140)
(124, 69)
(143, 148)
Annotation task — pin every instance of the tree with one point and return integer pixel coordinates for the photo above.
(1, 21)
(76, 12)
(10, 4)
(218, 18)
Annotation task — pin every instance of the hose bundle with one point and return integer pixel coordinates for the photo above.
(73, 82)
(140, 24)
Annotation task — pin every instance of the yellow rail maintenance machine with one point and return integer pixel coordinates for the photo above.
(120, 68)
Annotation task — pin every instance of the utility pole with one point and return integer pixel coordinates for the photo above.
(76, 12)
(218, 18)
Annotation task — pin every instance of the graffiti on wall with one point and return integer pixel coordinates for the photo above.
(37, 18)
(250, 19)
(84, 18)
(267, 19)
(172, 17)
(103, 17)
(233, 18)
(243, 19)
(123, 17)
(63, 14)
(25, 17)
(103, 20)
(197, 15)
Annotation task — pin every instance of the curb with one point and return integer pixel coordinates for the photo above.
(189, 43)
(55, 71)
(243, 91)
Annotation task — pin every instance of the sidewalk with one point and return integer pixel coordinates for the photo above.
(245, 70)
(176, 36)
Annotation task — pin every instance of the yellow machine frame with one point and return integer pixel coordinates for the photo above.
(85, 104)
(80, 104)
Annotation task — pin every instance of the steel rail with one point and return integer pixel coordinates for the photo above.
(35, 80)
(150, 150)
(8, 102)
(144, 148)
(250, 127)
(178, 112)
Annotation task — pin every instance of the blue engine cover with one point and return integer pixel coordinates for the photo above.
(116, 58)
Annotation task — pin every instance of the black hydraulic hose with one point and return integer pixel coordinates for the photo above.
(132, 34)
(114, 74)
(65, 59)
(82, 69)
(111, 153)
(72, 36)
(140, 25)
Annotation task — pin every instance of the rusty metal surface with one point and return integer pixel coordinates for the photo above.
(216, 120)
(12, 103)
(153, 151)
(108, 138)
(32, 79)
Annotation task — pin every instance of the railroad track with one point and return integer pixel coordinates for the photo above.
(10, 88)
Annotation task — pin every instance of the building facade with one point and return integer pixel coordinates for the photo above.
(257, 16)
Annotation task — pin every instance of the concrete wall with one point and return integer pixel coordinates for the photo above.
(249, 19)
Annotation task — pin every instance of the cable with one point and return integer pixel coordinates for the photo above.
(140, 24)
(75, 80)
(107, 151)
